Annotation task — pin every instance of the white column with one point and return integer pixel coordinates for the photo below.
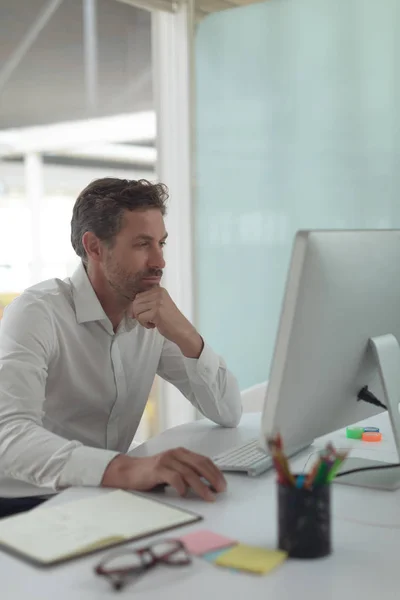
(172, 37)
(34, 194)
(90, 53)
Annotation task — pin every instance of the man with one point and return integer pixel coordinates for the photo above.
(78, 358)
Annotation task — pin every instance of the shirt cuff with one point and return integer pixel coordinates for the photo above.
(86, 467)
(205, 367)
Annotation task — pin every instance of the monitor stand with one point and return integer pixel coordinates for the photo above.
(386, 352)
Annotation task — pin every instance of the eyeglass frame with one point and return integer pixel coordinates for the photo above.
(118, 577)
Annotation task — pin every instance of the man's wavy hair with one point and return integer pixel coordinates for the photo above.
(100, 208)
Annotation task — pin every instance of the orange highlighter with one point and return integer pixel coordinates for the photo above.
(371, 436)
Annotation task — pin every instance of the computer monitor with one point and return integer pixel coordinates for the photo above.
(338, 332)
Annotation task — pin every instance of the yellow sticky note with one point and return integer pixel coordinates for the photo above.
(251, 558)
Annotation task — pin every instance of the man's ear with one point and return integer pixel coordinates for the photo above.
(92, 245)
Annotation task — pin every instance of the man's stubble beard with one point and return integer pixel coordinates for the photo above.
(127, 290)
(127, 286)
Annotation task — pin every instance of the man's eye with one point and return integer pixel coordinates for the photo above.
(162, 244)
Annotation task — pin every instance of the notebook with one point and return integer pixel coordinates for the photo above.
(58, 533)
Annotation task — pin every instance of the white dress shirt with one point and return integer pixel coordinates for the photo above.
(72, 392)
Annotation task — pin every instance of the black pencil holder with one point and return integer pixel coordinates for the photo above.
(304, 521)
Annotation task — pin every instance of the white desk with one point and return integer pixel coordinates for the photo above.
(365, 563)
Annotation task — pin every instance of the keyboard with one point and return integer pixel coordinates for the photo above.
(248, 458)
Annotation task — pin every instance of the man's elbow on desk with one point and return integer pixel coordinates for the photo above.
(226, 412)
(231, 409)
(233, 420)
(230, 415)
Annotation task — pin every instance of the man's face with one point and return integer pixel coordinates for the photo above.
(134, 263)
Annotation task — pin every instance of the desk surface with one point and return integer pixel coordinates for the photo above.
(366, 536)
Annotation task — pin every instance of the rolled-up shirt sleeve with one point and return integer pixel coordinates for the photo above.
(29, 452)
(205, 381)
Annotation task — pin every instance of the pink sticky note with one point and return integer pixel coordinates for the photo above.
(200, 542)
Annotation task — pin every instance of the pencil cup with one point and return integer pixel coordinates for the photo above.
(304, 527)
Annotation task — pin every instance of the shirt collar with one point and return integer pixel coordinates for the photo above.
(87, 304)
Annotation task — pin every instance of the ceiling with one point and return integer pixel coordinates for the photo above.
(48, 84)
(210, 6)
(202, 7)
(46, 81)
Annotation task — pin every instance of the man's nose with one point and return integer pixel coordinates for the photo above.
(157, 259)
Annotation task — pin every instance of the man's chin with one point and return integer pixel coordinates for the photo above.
(146, 286)
(150, 282)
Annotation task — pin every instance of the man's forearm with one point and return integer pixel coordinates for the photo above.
(40, 457)
(191, 345)
(215, 389)
(205, 381)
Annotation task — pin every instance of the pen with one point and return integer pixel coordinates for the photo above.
(300, 481)
(322, 472)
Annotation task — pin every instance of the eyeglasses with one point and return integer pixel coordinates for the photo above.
(126, 565)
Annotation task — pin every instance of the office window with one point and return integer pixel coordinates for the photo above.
(74, 62)
(296, 128)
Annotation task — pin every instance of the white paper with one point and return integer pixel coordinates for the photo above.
(50, 534)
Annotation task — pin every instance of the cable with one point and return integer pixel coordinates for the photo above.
(369, 524)
(366, 523)
(316, 452)
(360, 469)
(367, 396)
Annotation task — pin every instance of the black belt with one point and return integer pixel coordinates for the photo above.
(12, 506)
